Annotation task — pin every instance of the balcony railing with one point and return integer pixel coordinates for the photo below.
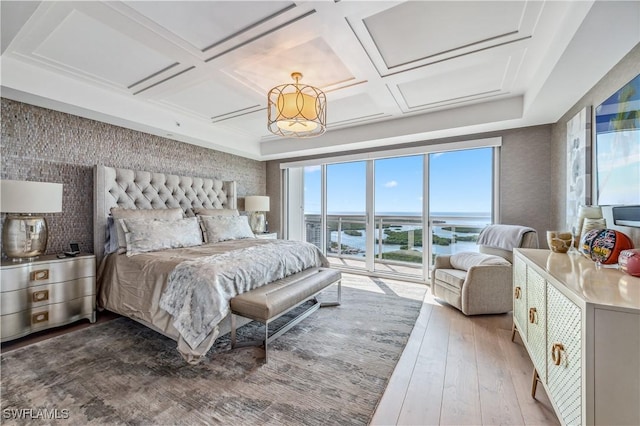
(398, 239)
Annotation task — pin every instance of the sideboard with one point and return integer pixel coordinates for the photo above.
(580, 324)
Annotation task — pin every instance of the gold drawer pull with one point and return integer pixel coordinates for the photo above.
(556, 353)
(517, 292)
(39, 296)
(39, 317)
(42, 274)
(533, 316)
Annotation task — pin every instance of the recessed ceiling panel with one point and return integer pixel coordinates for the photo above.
(350, 109)
(315, 59)
(455, 85)
(210, 99)
(207, 23)
(85, 45)
(417, 30)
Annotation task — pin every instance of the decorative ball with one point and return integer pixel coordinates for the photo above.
(630, 262)
(604, 245)
(586, 240)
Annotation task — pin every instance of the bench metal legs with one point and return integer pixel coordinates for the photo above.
(279, 332)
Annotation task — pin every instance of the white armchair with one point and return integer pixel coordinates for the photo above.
(481, 283)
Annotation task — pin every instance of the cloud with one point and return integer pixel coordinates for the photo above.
(391, 184)
(311, 169)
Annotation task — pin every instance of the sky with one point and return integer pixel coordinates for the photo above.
(460, 182)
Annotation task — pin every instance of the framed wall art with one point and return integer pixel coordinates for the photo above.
(578, 164)
(617, 146)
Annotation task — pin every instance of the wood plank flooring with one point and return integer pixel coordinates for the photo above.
(459, 370)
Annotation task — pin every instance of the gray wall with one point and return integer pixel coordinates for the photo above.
(618, 76)
(44, 145)
(525, 182)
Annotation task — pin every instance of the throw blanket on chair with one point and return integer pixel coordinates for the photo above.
(198, 291)
(506, 237)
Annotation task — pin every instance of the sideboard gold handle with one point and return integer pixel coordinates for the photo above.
(39, 296)
(533, 315)
(39, 317)
(39, 275)
(517, 292)
(556, 353)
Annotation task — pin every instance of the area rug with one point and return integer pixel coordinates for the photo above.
(332, 368)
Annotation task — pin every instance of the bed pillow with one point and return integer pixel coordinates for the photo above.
(201, 211)
(148, 214)
(223, 228)
(465, 260)
(143, 235)
(111, 238)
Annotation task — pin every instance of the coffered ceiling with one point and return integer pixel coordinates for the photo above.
(393, 72)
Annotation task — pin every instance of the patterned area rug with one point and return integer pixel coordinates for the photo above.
(332, 368)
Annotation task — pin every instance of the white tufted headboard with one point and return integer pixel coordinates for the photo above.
(132, 189)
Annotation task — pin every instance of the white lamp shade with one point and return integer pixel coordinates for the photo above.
(256, 203)
(30, 197)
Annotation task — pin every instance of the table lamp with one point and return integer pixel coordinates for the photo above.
(257, 205)
(24, 233)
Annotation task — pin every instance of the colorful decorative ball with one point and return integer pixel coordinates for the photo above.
(604, 245)
(586, 240)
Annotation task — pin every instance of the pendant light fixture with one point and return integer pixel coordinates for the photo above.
(297, 110)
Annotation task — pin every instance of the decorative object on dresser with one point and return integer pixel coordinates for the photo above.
(480, 283)
(45, 293)
(580, 325)
(629, 261)
(559, 242)
(296, 110)
(604, 245)
(24, 233)
(257, 205)
(586, 213)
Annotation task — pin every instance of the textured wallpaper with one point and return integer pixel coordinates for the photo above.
(45, 145)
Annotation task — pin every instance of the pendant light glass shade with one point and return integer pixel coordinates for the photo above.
(297, 110)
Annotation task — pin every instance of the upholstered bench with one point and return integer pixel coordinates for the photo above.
(271, 301)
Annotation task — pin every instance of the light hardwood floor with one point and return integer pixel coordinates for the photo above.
(459, 370)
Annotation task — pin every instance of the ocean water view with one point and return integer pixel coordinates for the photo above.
(401, 231)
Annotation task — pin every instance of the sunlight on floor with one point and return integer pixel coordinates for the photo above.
(385, 286)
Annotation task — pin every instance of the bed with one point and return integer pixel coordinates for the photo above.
(159, 275)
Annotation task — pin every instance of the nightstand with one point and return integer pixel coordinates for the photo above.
(45, 293)
(267, 236)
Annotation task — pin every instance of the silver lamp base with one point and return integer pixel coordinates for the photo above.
(24, 237)
(258, 222)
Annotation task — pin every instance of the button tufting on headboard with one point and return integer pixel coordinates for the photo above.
(145, 190)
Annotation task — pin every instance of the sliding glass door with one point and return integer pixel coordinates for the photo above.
(460, 198)
(392, 216)
(347, 214)
(398, 219)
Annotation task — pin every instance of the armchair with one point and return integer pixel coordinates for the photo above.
(481, 283)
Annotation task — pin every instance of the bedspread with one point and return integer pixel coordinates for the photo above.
(198, 291)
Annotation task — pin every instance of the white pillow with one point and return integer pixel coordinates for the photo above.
(465, 260)
(201, 211)
(223, 228)
(145, 235)
(148, 214)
